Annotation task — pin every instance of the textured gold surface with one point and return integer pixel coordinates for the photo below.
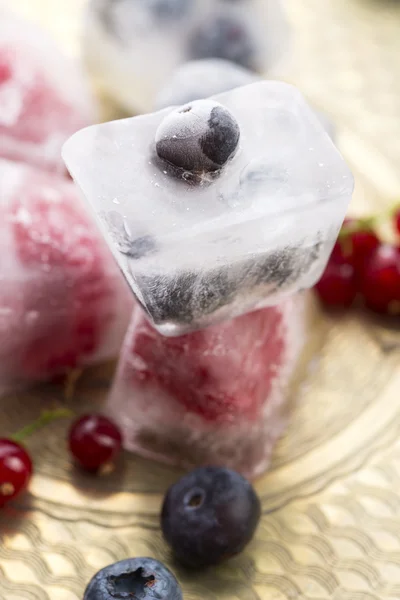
(331, 523)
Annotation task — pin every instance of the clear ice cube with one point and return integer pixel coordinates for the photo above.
(63, 302)
(198, 249)
(216, 396)
(44, 98)
(133, 46)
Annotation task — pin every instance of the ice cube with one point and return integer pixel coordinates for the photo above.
(248, 225)
(133, 46)
(217, 396)
(63, 302)
(198, 79)
(43, 96)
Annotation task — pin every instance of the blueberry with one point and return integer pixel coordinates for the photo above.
(136, 578)
(187, 296)
(213, 291)
(223, 37)
(209, 515)
(198, 137)
(167, 298)
(277, 267)
(283, 267)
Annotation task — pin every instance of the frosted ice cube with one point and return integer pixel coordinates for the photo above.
(199, 79)
(197, 248)
(43, 96)
(133, 46)
(217, 396)
(63, 302)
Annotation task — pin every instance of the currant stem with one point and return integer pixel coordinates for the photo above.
(47, 417)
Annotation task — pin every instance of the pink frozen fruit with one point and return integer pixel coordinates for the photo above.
(216, 396)
(63, 303)
(43, 96)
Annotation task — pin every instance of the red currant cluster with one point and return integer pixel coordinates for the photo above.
(93, 440)
(363, 268)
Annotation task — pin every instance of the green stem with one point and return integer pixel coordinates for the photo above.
(47, 417)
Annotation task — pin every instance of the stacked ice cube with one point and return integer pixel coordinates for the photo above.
(222, 207)
(218, 207)
(216, 396)
(43, 96)
(133, 46)
(63, 302)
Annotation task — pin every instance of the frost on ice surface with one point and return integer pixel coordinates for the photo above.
(63, 303)
(133, 46)
(43, 96)
(216, 396)
(218, 243)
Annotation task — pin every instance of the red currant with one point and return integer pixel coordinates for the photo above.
(15, 470)
(380, 281)
(337, 286)
(94, 441)
(356, 243)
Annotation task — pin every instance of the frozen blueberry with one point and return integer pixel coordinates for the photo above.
(168, 298)
(277, 267)
(198, 137)
(136, 578)
(209, 515)
(283, 267)
(213, 290)
(223, 37)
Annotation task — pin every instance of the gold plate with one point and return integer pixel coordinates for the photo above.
(331, 518)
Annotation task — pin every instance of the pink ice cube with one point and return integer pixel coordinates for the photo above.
(216, 396)
(43, 96)
(63, 302)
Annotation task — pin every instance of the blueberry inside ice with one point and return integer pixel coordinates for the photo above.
(198, 137)
(223, 37)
